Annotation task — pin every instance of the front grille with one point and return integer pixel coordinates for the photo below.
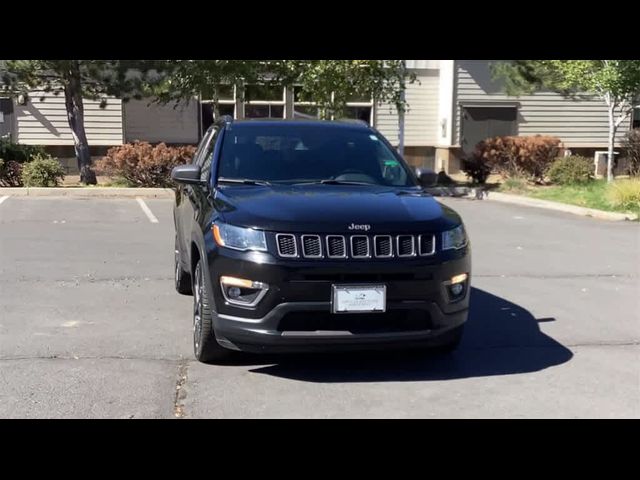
(360, 246)
(383, 246)
(336, 246)
(357, 247)
(286, 245)
(311, 246)
(406, 246)
(427, 244)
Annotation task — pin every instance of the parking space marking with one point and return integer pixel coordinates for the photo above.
(152, 218)
(2, 199)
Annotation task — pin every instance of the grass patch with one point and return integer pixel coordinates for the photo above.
(515, 185)
(596, 194)
(117, 182)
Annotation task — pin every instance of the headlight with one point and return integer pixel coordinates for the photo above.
(454, 239)
(239, 238)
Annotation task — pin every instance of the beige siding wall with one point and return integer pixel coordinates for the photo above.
(578, 123)
(161, 123)
(45, 122)
(422, 118)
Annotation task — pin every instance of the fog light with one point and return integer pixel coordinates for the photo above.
(456, 286)
(456, 289)
(240, 291)
(234, 292)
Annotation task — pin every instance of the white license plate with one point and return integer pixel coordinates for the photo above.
(359, 298)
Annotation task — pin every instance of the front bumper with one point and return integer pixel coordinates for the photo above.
(295, 314)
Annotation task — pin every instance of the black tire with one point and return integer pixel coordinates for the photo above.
(451, 341)
(182, 278)
(205, 346)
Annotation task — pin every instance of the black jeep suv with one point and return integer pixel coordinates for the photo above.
(315, 235)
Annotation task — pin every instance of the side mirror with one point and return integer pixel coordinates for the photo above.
(426, 177)
(187, 174)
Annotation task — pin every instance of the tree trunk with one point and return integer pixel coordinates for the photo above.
(75, 116)
(612, 136)
(401, 112)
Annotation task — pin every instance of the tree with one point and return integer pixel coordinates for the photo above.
(77, 80)
(186, 79)
(616, 82)
(330, 84)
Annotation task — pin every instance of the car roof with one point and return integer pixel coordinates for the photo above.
(342, 124)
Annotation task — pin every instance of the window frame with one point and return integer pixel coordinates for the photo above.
(282, 102)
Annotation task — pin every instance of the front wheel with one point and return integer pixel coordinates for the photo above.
(205, 346)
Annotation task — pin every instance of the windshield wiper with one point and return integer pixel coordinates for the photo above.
(331, 181)
(244, 181)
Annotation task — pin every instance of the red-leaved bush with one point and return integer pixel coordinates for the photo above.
(10, 173)
(526, 157)
(144, 165)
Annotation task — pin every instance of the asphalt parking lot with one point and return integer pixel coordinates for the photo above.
(91, 327)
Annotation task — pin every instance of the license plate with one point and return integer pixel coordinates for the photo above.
(359, 298)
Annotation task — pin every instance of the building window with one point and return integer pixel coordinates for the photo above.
(358, 108)
(264, 101)
(635, 118)
(226, 106)
(359, 113)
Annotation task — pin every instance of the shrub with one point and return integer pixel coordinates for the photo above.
(42, 171)
(624, 193)
(632, 146)
(10, 173)
(571, 169)
(16, 152)
(476, 168)
(514, 184)
(144, 165)
(526, 157)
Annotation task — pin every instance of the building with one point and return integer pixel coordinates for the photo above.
(453, 105)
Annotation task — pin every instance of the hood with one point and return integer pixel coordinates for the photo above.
(333, 209)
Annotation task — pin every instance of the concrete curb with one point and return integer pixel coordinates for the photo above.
(88, 192)
(560, 207)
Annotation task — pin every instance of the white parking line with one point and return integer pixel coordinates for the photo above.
(2, 199)
(152, 218)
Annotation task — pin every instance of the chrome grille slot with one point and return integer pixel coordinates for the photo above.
(311, 246)
(427, 244)
(360, 246)
(383, 246)
(405, 246)
(287, 246)
(336, 246)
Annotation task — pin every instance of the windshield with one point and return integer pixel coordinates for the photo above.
(294, 154)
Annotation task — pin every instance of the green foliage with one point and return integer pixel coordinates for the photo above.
(42, 171)
(521, 157)
(618, 78)
(624, 194)
(141, 164)
(571, 169)
(16, 152)
(632, 146)
(95, 79)
(328, 83)
(476, 168)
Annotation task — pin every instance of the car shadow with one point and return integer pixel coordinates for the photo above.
(501, 338)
